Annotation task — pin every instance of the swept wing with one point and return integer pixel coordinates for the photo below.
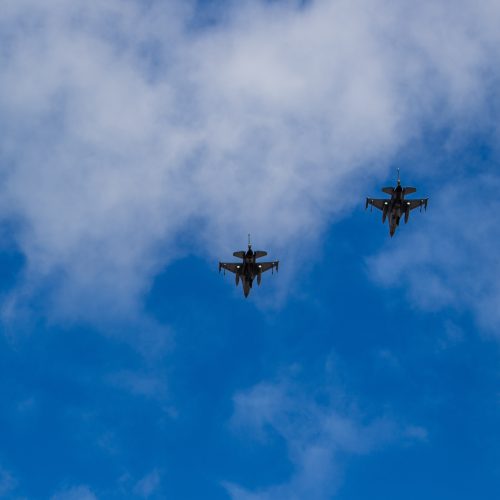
(417, 203)
(229, 266)
(265, 266)
(377, 203)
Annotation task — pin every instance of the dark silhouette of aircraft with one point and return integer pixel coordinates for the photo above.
(249, 269)
(397, 205)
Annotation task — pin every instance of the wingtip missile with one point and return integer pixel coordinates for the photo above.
(275, 265)
(220, 267)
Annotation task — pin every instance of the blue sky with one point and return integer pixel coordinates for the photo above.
(140, 142)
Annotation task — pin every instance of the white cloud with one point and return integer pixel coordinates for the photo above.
(123, 126)
(316, 434)
(449, 259)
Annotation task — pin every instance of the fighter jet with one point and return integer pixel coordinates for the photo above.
(396, 206)
(249, 269)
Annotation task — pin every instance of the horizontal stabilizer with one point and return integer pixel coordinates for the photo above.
(388, 190)
(259, 253)
(409, 190)
(240, 254)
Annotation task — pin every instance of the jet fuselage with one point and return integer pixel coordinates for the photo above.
(395, 209)
(248, 271)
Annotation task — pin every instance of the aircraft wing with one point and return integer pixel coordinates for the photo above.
(377, 203)
(229, 266)
(265, 266)
(417, 203)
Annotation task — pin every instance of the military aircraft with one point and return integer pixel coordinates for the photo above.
(247, 270)
(396, 206)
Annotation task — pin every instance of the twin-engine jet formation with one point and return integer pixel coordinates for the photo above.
(249, 269)
(397, 205)
(392, 208)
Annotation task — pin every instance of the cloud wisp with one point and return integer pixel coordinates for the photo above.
(7, 482)
(318, 437)
(75, 493)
